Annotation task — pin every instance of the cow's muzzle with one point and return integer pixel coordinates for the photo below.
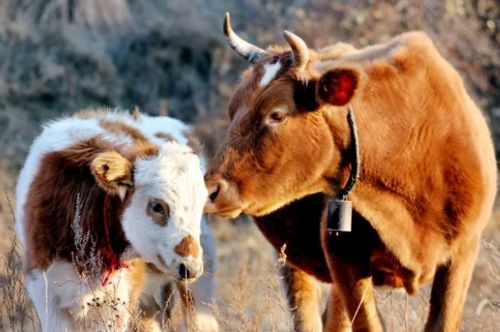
(223, 197)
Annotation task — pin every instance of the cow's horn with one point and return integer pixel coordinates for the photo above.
(299, 49)
(248, 51)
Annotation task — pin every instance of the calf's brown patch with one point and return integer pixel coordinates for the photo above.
(188, 247)
(165, 136)
(118, 127)
(65, 178)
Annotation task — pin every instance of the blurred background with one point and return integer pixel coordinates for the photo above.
(170, 57)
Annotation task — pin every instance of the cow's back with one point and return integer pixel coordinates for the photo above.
(428, 163)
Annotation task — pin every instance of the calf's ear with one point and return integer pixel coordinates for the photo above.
(337, 86)
(112, 172)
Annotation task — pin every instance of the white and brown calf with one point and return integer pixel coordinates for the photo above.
(109, 215)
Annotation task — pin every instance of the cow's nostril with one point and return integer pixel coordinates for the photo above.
(214, 191)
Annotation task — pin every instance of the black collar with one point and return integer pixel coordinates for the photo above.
(356, 160)
(339, 208)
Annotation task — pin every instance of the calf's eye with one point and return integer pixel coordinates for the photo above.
(157, 208)
(159, 211)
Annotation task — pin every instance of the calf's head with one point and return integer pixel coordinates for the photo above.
(279, 146)
(164, 196)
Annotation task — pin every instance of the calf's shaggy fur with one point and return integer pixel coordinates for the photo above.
(109, 215)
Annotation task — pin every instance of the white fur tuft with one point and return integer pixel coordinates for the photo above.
(270, 71)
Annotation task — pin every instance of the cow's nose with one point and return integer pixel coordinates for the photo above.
(213, 192)
(215, 189)
(189, 272)
(223, 196)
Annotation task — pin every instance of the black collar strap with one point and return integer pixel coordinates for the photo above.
(356, 160)
(339, 208)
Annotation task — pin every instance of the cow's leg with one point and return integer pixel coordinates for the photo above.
(335, 316)
(449, 288)
(348, 258)
(356, 293)
(302, 293)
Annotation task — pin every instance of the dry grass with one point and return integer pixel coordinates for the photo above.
(251, 298)
(250, 291)
(250, 295)
(16, 311)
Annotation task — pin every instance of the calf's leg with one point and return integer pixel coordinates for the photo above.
(51, 317)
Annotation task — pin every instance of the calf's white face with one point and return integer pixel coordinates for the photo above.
(163, 217)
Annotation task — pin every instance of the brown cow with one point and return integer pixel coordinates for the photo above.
(427, 182)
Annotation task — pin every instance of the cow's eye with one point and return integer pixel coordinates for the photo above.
(276, 117)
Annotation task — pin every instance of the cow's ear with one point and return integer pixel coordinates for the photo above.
(304, 95)
(113, 172)
(337, 86)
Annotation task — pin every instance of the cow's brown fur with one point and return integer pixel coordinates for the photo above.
(51, 212)
(427, 183)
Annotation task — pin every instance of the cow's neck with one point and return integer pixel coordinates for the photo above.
(339, 207)
(339, 170)
(380, 195)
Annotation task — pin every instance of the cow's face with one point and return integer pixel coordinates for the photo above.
(279, 146)
(164, 206)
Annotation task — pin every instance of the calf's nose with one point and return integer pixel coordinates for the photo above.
(189, 272)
